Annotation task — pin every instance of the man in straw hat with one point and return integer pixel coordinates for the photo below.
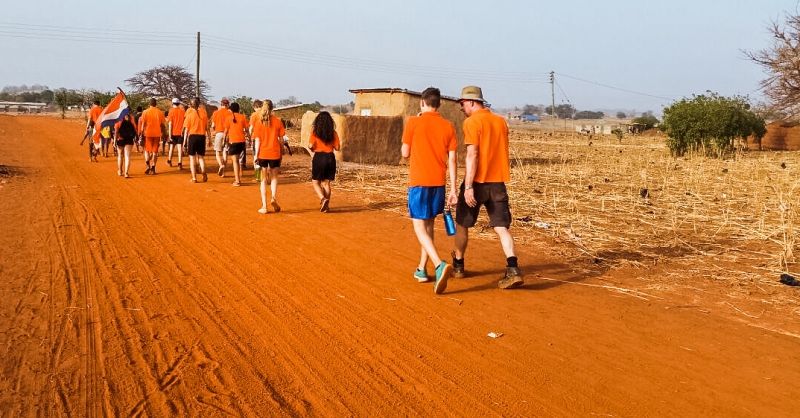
(487, 172)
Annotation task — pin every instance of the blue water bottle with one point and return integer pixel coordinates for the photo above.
(449, 223)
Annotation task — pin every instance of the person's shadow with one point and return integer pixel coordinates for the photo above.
(487, 279)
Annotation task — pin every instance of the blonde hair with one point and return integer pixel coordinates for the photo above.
(266, 111)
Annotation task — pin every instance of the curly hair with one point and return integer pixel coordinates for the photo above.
(324, 127)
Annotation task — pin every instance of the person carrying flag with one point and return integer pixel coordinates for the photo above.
(125, 133)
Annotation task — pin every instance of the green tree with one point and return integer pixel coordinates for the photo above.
(710, 123)
(647, 120)
(245, 104)
(621, 115)
(563, 111)
(588, 114)
(531, 109)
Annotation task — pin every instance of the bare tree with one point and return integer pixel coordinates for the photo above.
(166, 81)
(781, 62)
(291, 100)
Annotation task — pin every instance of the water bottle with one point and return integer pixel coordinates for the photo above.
(257, 172)
(449, 223)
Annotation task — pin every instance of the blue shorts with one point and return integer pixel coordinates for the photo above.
(425, 202)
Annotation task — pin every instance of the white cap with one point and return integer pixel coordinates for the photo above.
(176, 101)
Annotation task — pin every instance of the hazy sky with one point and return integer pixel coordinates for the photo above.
(318, 50)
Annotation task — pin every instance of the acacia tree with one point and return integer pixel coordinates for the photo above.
(166, 81)
(781, 62)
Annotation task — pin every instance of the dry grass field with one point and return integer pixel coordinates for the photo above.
(630, 205)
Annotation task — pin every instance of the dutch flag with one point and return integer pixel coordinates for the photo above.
(116, 110)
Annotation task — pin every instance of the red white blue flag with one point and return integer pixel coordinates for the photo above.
(114, 112)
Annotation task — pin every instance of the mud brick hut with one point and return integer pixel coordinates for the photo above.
(780, 136)
(373, 134)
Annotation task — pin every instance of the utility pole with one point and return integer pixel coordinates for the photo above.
(553, 95)
(197, 78)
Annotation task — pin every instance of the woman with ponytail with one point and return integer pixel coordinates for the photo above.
(269, 135)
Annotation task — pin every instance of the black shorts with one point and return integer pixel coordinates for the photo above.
(197, 145)
(492, 195)
(323, 166)
(236, 148)
(123, 142)
(176, 139)
(269, 163)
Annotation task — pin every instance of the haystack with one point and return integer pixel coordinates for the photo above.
(364, 139)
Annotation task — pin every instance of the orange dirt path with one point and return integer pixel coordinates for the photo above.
(152, 296)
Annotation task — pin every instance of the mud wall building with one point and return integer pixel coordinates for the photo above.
(373, 133)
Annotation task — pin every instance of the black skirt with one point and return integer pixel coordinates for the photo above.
(323, 166)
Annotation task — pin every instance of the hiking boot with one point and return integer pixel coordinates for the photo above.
(442, 274)
(512, 279)
(421, 276)
(458, 267)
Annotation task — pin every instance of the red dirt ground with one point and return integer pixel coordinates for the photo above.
(152, 296)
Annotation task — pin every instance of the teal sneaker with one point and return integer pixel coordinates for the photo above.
(421, 276)
(443, 272)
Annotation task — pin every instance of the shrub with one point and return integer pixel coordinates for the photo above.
(710, 124)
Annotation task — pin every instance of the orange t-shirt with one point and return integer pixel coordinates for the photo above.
(269, 135)
(317, 145)
(95, 112)
(193, 122)
(430, 138)
(152, 121)
(489, 134)
(218, 118)
(175, 117)
(236, 125)
(203, 116)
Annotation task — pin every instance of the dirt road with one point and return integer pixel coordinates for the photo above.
(152, 296)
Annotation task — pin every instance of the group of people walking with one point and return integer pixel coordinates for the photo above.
(428, 142)
(189, 131)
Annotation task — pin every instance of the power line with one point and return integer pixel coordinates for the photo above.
(347, 63)
(365, 62)
(563, 92)
(608, 86)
